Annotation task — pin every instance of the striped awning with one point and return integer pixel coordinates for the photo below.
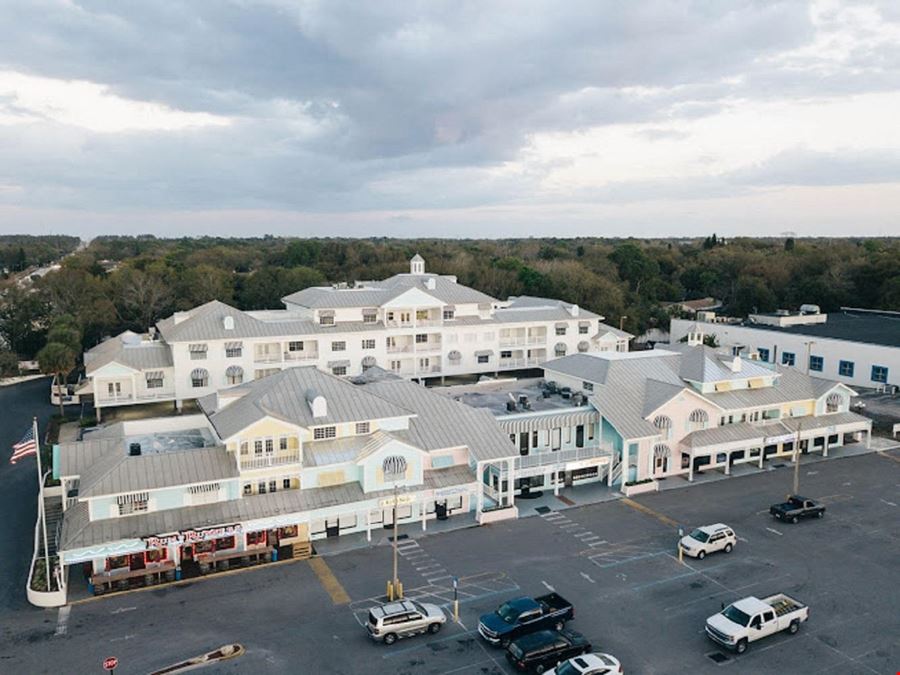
(454, 355)
(485, 352)
(199, 374)
(154, 374)
(234, 371)
(484, 305)
(562, 324)
(344, 363)
(234, 345)
(197, 348)
(584, 324)
(554, 421)
(449, 308)
(368, 361)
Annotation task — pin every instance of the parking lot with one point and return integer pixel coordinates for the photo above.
(615, 561)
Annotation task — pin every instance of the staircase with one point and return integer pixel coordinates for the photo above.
(301, 550)
(53, 510)
(616, 473)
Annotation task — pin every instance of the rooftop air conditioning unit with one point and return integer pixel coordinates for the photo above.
(134, 449)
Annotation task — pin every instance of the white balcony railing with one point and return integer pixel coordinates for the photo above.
(269, 459)
(156, 395)
(400, 349)
(115, 398)
(428, 323)
(428, 347)
(301, 356)
(267, 358)
(513, 363)
(536, 360)
(537, 339)
(561, 457)
(513, 341)
(398, 324)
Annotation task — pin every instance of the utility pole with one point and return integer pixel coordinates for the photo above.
(797, 459)
(395, 580)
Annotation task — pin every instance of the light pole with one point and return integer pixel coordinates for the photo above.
(395, 588)
(809, 353)
(797, 459)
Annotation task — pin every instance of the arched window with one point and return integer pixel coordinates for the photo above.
(583, 346)
(199, 377)
(661, 455)
(368, 362)
(454, 355)
(699, 419)
(560, 349)
(394, 467)
(234, 374)
(834, 402)
(664, 424)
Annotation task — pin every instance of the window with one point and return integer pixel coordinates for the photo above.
(664, 424)
(248, 489)
(295, 346)
(483, 359)
(339, 370)
(845, 368)
(587, 386)
(362, 428)
(244, 448)
(286, 483)
(326, 320)
(816, 363)
(421, 338)
(136, 502)
(879, 374)
(368, 344)
(833, 402)
(448, 314)
(273, 485)
(339, 346)
(256, 538)
(506, 355)
(199, 377)
(534, 439)
(261, 487)
(559, 349)
(324, 432)
(257, 447)
(270, 445)
(233, 351)
(561, 330)
(370, 318)
(114, 388)
(198, 352)
(698, 419)
(787, 358)
(283, 443)
(763, 354)
(155, 383)
(234, 375)
(583, 330)
(421, 315)
(394, 467)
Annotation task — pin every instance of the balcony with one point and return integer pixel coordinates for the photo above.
(266, 460)
(400, 349)
(299, 356)
(156, 396)
(428, 323)
(427, 347)
(513, 341)
(267, 358)
(398, 324)
(561, 457)
(513, 363)
(536, 360)
(119, 398)
(537, 339)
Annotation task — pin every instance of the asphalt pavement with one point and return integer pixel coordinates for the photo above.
(616, 561)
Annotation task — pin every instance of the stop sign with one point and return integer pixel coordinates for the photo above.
(110, 663)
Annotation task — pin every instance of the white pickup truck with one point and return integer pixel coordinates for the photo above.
(751, 619)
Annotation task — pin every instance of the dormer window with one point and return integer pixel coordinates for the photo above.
(321, 433)
(136, 502)
(362, 428)
(449, 314)
(394, 467)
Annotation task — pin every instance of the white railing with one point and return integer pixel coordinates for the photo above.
(267, 358)
(301, 356)
(267, 460)
(156, 395)
(398, 324)
(616, 473)
(513, 341)
(561, 457)
(400, 349)
(536, 360)
(537, 339)
(115, 399)
(512, 363)
(428, 347)
(427, 323)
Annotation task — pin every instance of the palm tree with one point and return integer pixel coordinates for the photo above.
(57, 359)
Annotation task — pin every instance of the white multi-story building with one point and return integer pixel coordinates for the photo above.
(416, 325)
(858, 347)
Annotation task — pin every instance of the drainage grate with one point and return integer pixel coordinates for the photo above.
(542, 509)
(399, 538)
(718, 657)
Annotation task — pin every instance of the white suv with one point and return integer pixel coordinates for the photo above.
(708, 539)
(402, 619)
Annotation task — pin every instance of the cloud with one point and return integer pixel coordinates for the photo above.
(411, 108)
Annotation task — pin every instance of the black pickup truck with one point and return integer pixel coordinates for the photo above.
(796, 508)
(521, 616)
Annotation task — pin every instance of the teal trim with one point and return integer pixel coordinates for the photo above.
(609, 434)
(55, 461)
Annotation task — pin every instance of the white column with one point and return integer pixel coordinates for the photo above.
(555, 475)
(510, 482)
(424, 508)
(368, 524)
(691, 467)
(762, 453)
(728, 463)
(479, 497)
(868, 438)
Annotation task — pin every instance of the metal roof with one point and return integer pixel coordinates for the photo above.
(78, 531)
(141, 355)
(868, 327)
(441, 422)
(790, 385)
(733, 433)
(76, 456)
(283, 395)
(706, 364)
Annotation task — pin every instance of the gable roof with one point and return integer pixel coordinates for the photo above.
(128, 349)
(283, 395)
(701, 363)
(441, 422)
(376, 293)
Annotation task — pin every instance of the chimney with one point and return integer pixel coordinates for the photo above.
(573, 310)
(228, 322)
(317, 404)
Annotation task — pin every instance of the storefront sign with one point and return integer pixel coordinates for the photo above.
(402, 500)
(784, 438)
(191, 536)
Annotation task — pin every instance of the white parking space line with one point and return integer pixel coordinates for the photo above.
(586, 576)
(548, 587)
(888, 503)
(598, 543)
(62, 620)
(743, 539)
(780, 534)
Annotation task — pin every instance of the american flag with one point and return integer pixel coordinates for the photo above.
(27, 446)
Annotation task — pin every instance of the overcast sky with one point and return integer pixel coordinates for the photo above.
(451, 119)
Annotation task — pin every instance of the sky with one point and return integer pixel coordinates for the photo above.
(651, 118)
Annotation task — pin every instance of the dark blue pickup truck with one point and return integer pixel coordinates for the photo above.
(796, 508)
(524, 615)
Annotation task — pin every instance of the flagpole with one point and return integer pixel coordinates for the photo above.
(41, 513)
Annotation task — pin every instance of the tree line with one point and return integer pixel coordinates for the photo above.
(118, 283)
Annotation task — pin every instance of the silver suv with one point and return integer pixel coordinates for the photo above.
(708, 539)
(402, 619)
